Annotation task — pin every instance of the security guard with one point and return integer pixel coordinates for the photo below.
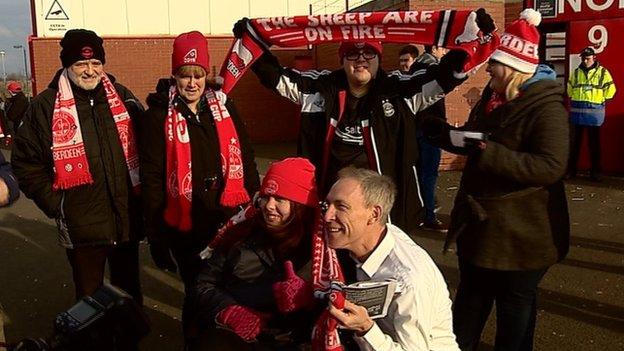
(589, 86)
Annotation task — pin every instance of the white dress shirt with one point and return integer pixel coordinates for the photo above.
(419, 316)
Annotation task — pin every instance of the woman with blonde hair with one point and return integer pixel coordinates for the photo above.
(197, 165)
(510, 219)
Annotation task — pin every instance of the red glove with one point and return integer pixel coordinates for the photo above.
(293, 293)
(243, 321)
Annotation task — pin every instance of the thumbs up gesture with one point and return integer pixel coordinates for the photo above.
(293, 293)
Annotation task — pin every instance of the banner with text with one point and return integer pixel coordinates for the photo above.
(449, 28)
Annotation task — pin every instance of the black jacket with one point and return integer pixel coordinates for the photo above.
(511, 211)
(390, 107)
(6, 174)
(207, 213)
(105, 212)
(16, 107)
(245, 274)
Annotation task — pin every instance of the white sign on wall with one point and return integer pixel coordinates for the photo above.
(56, 17)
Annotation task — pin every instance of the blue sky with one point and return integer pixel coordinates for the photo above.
(15, 27)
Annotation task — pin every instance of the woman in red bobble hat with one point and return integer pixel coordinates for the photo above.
(197, 165)
(249, 295)
(510, 219)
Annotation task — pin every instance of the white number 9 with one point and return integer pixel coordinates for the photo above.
(601, 40)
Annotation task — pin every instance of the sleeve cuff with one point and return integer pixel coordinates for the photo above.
(374, 337)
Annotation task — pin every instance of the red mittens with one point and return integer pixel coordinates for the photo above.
(293, 293)
(243, 321)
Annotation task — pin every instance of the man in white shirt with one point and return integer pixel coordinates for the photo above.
(419, 316)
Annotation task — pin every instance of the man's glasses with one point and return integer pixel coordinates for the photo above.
(354, 55)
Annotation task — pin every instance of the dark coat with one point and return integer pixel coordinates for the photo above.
(390, 108)
(16, 108)
(103, 213)
(207, 214)
(245, 274)
(6, 175)
(511, 211)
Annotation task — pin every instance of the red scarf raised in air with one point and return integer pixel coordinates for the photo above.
(179, 169)
(71, 167)
(449, 28)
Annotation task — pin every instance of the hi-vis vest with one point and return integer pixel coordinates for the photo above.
(588, 91)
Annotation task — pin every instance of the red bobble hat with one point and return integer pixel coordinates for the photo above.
(520, 42)
(190, 49)
(348, 46)
(291, 179)
(14, 87)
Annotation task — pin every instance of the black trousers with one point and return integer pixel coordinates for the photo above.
(185, 249)
(515, 294)
(88, 266)
(593, 133)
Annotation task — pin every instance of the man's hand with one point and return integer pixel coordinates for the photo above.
(353, 317)
(293, 293)
(4, 193)
(485, 22)
(161, 255)
(240, 27)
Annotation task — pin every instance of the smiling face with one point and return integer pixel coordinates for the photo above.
(191, 82)
(347, 216)
(500, 75)
(276, 211)
(361, 66)
(86, 74)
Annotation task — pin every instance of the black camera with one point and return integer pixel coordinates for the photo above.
(109, 319)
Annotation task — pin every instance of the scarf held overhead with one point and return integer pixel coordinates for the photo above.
(178, 161)
(71, 167)
(449, 28)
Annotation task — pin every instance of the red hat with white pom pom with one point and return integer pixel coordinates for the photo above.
(520, 42)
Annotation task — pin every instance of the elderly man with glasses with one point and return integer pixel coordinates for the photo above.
(361, 116)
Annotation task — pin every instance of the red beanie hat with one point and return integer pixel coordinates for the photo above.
(291, 179)
(14, 87)
(190, 49)
(347, 46)
(519, 43)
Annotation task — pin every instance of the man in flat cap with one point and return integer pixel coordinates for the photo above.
(75, 156)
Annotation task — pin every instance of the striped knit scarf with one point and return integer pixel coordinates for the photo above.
(178, 166)
(449, 28)
(71, 167)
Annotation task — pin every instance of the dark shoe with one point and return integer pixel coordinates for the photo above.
(594, 177)
(435, 226)
(570, 175)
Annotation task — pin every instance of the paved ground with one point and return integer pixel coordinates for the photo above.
(581, 304)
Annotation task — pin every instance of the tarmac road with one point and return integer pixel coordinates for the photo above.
(581, 302)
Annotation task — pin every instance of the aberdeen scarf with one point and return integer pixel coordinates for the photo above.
(449, 28)
(327, 281)
(179, 168)
(71, 167)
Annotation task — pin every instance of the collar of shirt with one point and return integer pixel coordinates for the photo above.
(378, 256)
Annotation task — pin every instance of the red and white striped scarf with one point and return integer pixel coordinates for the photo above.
(71, 167)
(179, 169)
(452, 29)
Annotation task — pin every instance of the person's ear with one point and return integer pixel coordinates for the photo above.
(375, 215)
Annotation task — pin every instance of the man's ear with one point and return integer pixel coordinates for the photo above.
(375, 215)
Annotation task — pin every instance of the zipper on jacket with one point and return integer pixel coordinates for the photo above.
(103, 160)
